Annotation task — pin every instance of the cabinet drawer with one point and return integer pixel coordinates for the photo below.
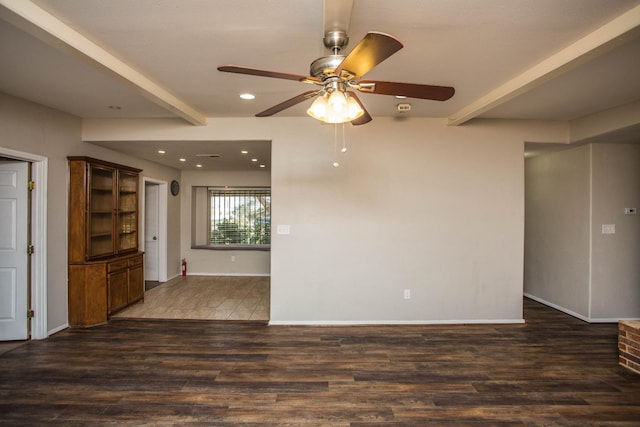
(135, 261)
(116, 265)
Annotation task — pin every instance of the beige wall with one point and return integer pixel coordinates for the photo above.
(34, 129)
(569, 263)
(415, 204)
(615, 280)
(218, 262)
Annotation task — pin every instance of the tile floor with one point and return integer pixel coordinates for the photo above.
(205, 298)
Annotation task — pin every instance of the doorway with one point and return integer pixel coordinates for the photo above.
(151, 229)
(36, 292)
(154, 229)
(14, 253)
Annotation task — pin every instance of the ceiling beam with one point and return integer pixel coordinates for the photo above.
(606, 122)
(46, 27)
(616, 32)
(337, 14)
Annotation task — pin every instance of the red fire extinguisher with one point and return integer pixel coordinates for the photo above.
(184, 267)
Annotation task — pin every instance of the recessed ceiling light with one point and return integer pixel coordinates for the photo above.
(254, 160)
(247, 96)
(244, 152)
(161, 151)
(198, 166)
(183, 160)
(263, 166)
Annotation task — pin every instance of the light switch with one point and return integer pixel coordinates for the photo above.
(284, 229)
(608, 229)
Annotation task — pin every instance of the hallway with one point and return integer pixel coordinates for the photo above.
(205, 298)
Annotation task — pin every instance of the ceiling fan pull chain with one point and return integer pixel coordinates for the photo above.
(335, 146)
(344, 140)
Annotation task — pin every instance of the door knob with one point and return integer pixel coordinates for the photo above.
(155, 238)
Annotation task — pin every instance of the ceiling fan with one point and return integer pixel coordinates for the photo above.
(338, 77)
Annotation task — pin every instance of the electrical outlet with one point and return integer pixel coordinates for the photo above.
(407, 294)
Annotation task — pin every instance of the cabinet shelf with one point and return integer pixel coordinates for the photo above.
(101, 235)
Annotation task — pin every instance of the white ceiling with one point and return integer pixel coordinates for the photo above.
(482, 48)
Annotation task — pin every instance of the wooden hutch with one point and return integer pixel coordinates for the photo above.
(106, 270)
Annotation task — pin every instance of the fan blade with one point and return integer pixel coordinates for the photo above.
(267, 73)
(373, 49)
(436, 93)
(365, 118)
(288, 103)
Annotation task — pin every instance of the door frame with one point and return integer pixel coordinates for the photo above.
(163, 189)
(38, 274)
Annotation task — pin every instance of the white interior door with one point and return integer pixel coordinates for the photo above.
(13, 250)
(151, 235)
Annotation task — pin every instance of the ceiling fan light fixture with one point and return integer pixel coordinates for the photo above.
(337, 102)
(354, 109)
(318, 109)
(338, 107)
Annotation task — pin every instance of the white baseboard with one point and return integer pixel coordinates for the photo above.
(391, 322)
(231, 274)
(58, 329)
(611, 320)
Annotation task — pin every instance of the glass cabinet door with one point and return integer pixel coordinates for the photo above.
(101, 211)
(127, 211)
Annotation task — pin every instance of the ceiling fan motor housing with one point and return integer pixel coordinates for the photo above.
(335, 40)
(325, 67)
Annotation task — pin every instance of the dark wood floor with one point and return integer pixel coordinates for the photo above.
(150, 284)
(552, 371)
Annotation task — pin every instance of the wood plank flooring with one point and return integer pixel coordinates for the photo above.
(552, 371)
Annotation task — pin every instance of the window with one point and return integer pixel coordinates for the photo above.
(239, 217)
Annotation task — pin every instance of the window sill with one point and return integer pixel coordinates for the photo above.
(233, 247)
